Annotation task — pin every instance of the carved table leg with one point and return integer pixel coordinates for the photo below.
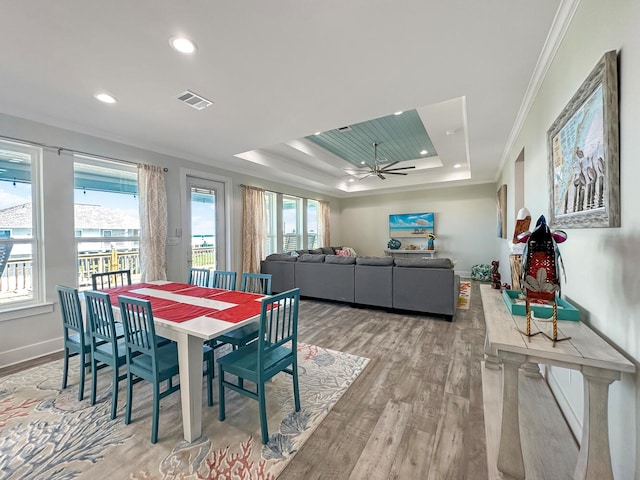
(491, 360)
(510, 459)
(594, 459)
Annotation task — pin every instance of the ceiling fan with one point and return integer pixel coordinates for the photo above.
(382, 170)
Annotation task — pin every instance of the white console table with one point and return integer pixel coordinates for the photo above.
(410, 253)
(599, 363)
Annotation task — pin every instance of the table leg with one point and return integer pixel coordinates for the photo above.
(491, 360)
(190, 361)
(594, 459)
(510, 460)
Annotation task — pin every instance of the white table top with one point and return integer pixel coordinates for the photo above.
(585, 348)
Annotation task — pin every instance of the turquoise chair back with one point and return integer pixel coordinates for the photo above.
(116, 278)
(71, 313)
(139, 330)
(223, 279)
(199, 276)
(278, 323)
(256, 283)
(102, 325)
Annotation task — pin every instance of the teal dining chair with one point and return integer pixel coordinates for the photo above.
(275, 351)
(116, 278)
(224, 280)
(76, 343)
(150, 362)
(252, 283)
(107, 347)
(199, 276)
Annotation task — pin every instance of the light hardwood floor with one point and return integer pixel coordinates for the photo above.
(416, 412)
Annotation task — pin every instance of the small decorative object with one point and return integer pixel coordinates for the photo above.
(495, 275)
(394, 244)
(481, 272)
(541, 263)
(430, 238)
(583, 149)
(412, 247)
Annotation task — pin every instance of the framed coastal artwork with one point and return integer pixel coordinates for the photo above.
(411, 224)
(583, 151)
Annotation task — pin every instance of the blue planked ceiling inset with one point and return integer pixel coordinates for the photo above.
(401, 137)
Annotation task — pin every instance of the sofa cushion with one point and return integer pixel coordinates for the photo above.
(424, 262)
(340, 259)
(376, 261)
(311, 258)
(281, 257)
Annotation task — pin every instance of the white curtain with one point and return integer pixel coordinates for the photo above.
(324, 239)
(253, 228)
(153, 223)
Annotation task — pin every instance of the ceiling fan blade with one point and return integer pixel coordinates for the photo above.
(380, 175)
(394, 169)
(390, 164)
(395, 173)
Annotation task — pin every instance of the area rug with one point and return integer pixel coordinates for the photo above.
(46, 433)
(465, 295)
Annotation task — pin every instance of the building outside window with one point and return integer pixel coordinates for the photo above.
(106, 216)
(20, 250)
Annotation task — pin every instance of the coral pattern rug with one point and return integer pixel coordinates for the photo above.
(465, 295)
(46, 433)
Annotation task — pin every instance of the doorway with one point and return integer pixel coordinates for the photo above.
(206, 247)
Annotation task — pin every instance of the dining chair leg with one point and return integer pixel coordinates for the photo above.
(65, 368)
(210, 379)
(114, 392)
(156, 412)
(94, 375)
(220, 394)
(296, 387)
(263, 412)
(127, 411)
(83, 366)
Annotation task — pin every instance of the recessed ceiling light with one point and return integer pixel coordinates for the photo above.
(362, 162)
(449, 132)
(423, 152)
(351, 179)
(183, 45)
(105, 98)
(317, 133)
(457, 165)
(399, 112)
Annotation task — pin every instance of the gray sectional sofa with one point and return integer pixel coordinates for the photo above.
(421, 285)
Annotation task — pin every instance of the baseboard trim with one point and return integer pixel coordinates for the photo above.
(29, 352)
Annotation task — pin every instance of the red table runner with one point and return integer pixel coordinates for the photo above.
(181, 312)
(238, 313)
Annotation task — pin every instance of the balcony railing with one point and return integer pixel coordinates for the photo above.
(17, 276)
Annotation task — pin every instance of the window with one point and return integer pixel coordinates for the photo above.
(20, 269)
(106, 216)
(291, 222)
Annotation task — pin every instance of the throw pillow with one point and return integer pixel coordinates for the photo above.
(342, 253)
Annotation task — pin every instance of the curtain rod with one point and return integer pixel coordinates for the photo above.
(282, 193)
(64, 149)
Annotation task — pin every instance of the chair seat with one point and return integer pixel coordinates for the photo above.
(241, 336)
(105, 348)
(167, 361)
(244, 361)
(75, 338)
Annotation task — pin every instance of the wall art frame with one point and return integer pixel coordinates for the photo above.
(584, 153)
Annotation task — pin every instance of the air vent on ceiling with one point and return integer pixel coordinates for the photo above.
(344, 129)
(194, 100)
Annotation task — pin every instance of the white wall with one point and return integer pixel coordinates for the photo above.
(601, 264)
(25, 337)
(465, 222)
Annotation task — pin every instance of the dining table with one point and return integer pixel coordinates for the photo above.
(190, 315)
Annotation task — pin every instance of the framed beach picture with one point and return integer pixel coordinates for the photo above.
(411, 224)
(583, 150)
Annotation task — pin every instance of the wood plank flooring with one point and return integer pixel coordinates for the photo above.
(416, 412)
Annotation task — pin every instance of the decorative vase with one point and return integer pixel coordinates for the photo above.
(394, 244)
(430, 245)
